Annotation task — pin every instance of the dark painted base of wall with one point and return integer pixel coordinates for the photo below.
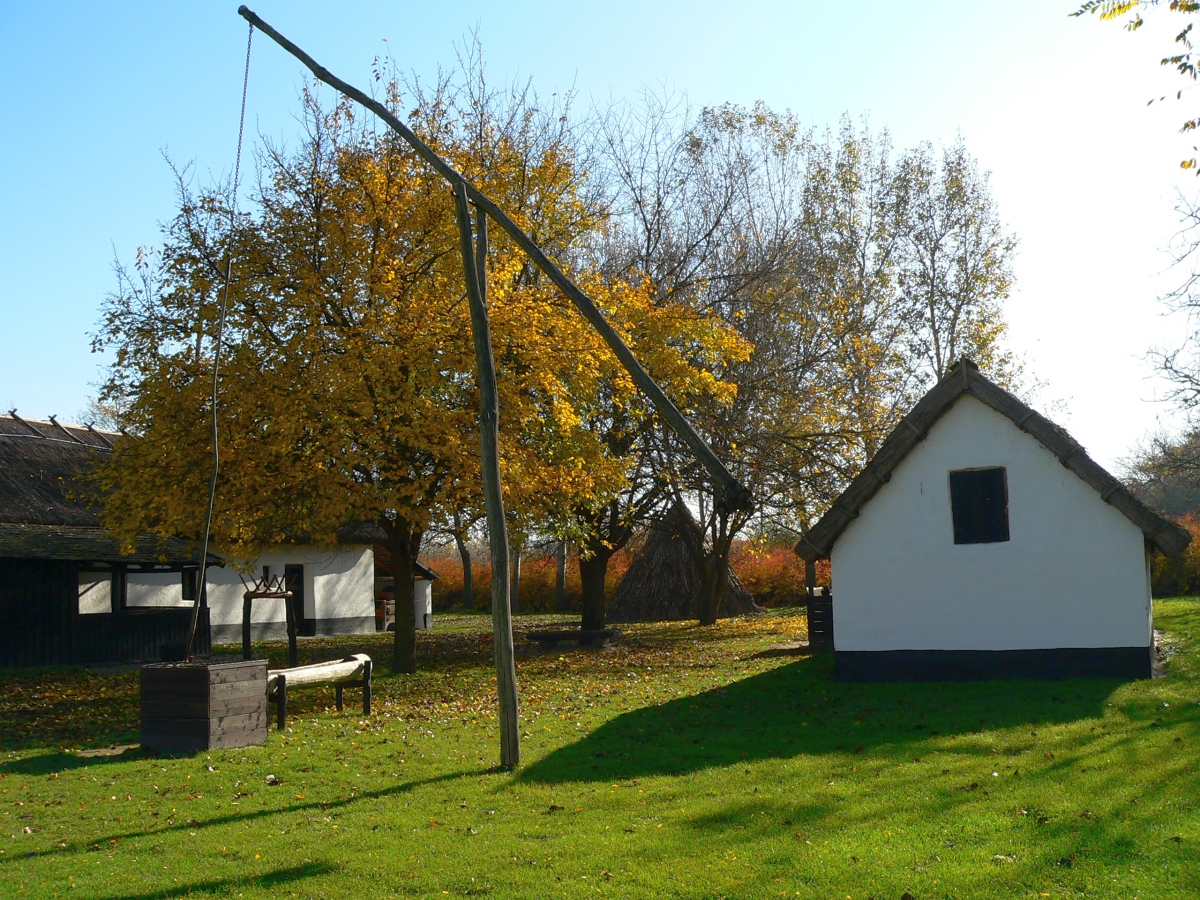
(277, 631)
(985, 665)
(348, 625)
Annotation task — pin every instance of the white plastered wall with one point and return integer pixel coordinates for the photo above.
(338, 587)
(158, 589)
(95, 593)
(1073, 574)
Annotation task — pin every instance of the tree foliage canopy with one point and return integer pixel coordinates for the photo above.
(856, 274)
(348, 393)
(1165, 474)
(793, 290)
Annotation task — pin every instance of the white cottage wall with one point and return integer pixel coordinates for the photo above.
(156, 589)
(1073, 574)
(338, 593)
(343, 592)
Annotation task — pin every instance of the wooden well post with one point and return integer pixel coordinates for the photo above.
(475, 271)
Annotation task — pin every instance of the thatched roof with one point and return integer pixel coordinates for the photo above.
(40, 468)
(87, 544)
(45, 508)
(662, 585)
(43, 481)
(964, 378)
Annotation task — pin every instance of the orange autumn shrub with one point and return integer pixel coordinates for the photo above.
(538, 575)
(774, 575)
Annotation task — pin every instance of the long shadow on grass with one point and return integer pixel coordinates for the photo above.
(799, 709)
(46, 763)
(240, 817)
(274, 879)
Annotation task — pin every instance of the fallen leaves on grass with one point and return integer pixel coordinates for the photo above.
(57, 708)
(74, 706)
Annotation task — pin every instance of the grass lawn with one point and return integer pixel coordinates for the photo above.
(688, 762)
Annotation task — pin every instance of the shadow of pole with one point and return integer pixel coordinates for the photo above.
(404, 788)
(225, 886)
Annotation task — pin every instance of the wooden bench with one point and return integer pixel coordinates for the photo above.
(353, 671)
(592, 637)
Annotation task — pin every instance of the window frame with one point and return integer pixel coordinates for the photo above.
(973, 529)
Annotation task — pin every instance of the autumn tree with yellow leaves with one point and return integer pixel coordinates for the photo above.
(348, 392)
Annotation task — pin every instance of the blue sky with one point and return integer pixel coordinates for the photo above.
(91, 95)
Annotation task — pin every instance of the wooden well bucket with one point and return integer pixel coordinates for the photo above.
(187, 707)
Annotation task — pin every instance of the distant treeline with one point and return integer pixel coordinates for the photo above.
(774, 576)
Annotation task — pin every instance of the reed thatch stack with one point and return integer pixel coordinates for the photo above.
(662, 584)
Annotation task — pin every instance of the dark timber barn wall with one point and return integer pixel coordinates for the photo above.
(49, 534)
(40, 623)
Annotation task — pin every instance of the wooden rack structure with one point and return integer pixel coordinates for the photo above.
(268, 588)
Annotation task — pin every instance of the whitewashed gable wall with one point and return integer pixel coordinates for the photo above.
(1073, 574)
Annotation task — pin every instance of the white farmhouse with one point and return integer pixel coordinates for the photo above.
(333, 592)
(341, 589)
(982, 542)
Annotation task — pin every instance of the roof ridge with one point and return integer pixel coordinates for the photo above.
(54, 423)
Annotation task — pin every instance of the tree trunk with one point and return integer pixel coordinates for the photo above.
(515, 594)
(714, 574)
(592, 572)
(468, 593)
(404, 544)
(711, 562)
(560, 579)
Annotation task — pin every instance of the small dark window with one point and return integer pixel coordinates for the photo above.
(979, 503)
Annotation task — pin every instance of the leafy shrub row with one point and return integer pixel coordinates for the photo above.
(538, 575)
(773, 575)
